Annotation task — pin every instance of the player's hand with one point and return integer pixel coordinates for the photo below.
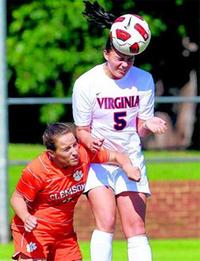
(156, 125)
(132, 173)
(95, 145)
(30, 223)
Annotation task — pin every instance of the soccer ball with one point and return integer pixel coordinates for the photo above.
(130, 34)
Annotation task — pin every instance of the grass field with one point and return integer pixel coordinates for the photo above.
(163, 250)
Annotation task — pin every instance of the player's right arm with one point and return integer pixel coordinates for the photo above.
(122, 159)
(117, 158)
(84, 136)
(26, 190)
(94, 145)
(19, 205)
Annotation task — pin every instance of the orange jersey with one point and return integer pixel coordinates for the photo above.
(52, 193)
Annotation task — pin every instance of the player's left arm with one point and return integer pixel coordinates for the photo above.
(154, 125)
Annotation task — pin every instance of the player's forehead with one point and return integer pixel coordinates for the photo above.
(65, 140)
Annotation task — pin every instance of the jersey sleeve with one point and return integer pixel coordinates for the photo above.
(29, 184)
(82, 101)
(147, 99)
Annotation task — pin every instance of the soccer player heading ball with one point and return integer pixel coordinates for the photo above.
(113, 106)
(129, 33)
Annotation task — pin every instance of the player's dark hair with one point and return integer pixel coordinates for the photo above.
(53, 131)
(97, 15)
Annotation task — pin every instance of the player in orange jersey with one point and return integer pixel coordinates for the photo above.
(47, 192)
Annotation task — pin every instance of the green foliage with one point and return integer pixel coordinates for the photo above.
(51, 112)
(48, 48)
(179, 2)
(182, 30)
(157, 26)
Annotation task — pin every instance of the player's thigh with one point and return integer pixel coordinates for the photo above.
(67, 249)
(132, 209)
(103, 205)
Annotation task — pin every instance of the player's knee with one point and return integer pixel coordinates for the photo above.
(106, 223)
(134, 228)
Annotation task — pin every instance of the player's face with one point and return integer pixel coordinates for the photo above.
(66, 153)
(117, 64)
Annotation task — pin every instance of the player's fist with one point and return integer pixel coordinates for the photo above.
(132, 172)
(95, 144)
(30, 223)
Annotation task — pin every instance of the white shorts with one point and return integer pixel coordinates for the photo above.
(114, 177)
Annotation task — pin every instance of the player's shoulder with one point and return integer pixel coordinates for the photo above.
(39, 165)
(142, 79)
(82, 151)
(140, 72)
(83, 154)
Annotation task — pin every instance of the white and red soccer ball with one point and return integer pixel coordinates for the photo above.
(130, 34)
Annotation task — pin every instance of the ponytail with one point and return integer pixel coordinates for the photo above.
(97, 15)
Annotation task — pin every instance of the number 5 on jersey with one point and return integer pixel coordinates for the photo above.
(120, 122)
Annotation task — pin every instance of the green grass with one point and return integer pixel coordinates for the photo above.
(24, 151)
(182, 170)
(163, 250)
(174, 171)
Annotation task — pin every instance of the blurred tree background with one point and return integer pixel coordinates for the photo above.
(50, 43)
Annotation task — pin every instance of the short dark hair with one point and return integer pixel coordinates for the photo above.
(53, 131)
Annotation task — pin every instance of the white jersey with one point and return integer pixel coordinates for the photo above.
(111, 108)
